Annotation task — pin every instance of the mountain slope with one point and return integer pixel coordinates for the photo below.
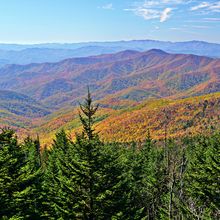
(20, 105)
(130, 120)
(127, 121)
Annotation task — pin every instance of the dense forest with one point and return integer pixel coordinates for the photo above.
(88, 179)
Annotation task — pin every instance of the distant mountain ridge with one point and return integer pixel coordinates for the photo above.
(54, 52)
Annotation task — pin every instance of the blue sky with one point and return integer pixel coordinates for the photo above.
(37, 21)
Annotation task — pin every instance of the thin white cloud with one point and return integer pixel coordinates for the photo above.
(154, 9)
(162, 9)
(160, 2)
(107, 6)
(165, 2)
(173, 1)
(165, 14)
(215, 7)
(147, 14)
(200, 6)
(208, 6)
(150, 4)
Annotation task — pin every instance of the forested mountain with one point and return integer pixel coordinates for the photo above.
(19, 111)
(121, 83)
(22, 105)
(127, 75)
(54, 52)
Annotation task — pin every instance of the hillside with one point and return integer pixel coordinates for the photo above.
(21, 105)
(129, 121)
(117, 120)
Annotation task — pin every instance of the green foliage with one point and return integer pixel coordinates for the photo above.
(203, 177)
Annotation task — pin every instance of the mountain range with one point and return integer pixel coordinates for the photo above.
(44, 97)
(54, 52)
(128, 75)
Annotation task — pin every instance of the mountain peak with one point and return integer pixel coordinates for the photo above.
(128, 53)
(157, 51)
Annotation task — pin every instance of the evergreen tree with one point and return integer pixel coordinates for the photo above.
(18, 177)
(31, 197)
(86, 179)
(105, 184)
(55, 197)
(10, 166)
(149, 179)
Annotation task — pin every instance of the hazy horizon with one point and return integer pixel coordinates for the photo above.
(103, 41)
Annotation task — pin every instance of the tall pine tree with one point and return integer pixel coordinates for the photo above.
(85, 179)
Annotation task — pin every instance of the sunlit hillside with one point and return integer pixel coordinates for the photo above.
(129, 121)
